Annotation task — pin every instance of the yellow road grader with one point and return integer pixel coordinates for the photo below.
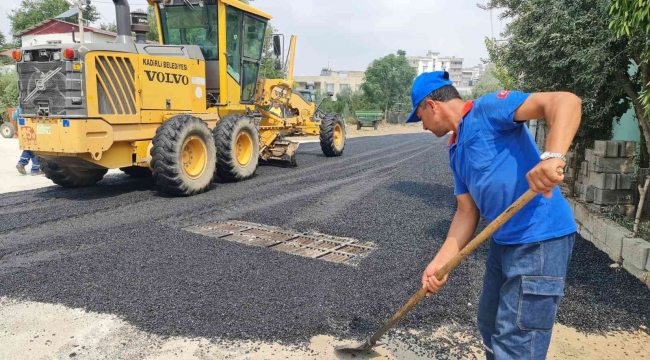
(186, 110)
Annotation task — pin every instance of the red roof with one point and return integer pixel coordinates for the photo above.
(55, 26)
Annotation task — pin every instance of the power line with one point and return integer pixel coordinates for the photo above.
(110, 2)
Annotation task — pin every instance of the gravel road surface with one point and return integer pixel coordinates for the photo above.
(119, 248)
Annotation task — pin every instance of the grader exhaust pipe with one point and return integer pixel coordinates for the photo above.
(123, 20)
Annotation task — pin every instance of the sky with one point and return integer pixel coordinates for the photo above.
(349, 35)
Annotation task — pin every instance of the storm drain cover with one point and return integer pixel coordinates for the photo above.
(310, 244)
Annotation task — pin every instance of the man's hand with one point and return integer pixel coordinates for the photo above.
(544, 177)
(429, 281)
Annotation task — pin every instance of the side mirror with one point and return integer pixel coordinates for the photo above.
(330, 93)
(277, 47)
(278, 65)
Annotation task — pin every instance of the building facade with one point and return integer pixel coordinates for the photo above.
(434, 62)
(331, 80)
(54, 31)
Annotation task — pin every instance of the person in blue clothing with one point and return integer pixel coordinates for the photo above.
(24, 161)
(494, 160)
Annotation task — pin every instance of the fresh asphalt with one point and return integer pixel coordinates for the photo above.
(119, 247)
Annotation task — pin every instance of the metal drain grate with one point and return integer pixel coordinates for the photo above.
(313, 245)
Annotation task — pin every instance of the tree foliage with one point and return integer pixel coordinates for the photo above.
(632, 19)
(630, 16)
(152, 35)
(347, 102)
(488, 83)
(109, 26)
(267, 68)
(566, 45)
(32, 12)
(388, 80)
(8, 92)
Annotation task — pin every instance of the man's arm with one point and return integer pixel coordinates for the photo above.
(562, 111)
(460, 233)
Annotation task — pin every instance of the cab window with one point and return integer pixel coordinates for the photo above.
(182, 25)
(254, 30)
(233, 41)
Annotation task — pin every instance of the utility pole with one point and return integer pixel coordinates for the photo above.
(80, 16)
(491, 24)
(79, 5)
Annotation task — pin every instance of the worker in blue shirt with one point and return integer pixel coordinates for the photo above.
(494, 160)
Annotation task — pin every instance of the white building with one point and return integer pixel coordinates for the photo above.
(331, 80)
(55, 31)
(471, 76)
(434, 62)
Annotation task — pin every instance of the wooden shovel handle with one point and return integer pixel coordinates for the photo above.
(471, 246)
(486, 233)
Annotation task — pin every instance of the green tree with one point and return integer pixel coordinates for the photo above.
(32, 12)
(499, 69)
(152, 35)
(267, 68)
(388, 80)
(488, 83)
(566, 45)
(109, 26)
(8, 92)
(631, 19)
(630, 16)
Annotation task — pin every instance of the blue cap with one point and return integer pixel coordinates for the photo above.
(424, 85)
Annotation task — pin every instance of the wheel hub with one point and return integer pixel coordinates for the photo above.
(338, 135)
(194, 157)
(244, 148)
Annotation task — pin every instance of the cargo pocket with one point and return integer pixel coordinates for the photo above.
(538, 302)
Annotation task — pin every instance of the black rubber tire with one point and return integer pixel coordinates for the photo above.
(137, 171)
(358, 125)
(327, 135)
(70, 177)
(225, 137)
(167, 156)
(376, 125)
(7, 130)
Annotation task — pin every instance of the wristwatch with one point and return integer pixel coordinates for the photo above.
(547, 155)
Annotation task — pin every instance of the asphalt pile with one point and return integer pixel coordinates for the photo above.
(120, 248)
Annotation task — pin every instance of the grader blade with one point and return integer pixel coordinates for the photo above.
(281, 152)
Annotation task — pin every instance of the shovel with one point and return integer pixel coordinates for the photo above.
(365, 346)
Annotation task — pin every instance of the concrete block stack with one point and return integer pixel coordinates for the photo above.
(606, 176)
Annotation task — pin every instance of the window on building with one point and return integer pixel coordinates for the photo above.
(329, 87)
(358, 87)
(343, 75)
(343, 87)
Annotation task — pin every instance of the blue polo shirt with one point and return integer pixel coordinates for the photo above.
(490, 157)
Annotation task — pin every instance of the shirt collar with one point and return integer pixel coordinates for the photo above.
(466, 109)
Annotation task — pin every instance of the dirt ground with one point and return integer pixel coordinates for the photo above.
(388, 129)
(31, 330)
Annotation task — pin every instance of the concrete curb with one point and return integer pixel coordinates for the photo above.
(615, 240)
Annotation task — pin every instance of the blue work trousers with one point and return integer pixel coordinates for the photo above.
(29, 155)
(522, 291)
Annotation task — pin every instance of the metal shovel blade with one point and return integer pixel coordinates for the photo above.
(363, 347)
